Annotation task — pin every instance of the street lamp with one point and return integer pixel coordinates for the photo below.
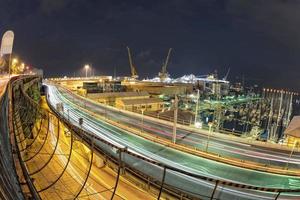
(143, 109)
(208, 136)
(290, 156)
(13, 62)
(86, 67)
(22, 67)
(197, 105)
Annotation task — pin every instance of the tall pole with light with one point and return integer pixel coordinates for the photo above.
(175, 119)
(290, 156)
(208, 135)
(86, 67)
(197, 105)
(143, 109)
(13, 63)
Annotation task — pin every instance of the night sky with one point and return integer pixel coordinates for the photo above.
(257, 39)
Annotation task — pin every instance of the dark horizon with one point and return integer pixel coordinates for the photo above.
(257, 40)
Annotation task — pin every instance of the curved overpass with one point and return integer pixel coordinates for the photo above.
(58, 158)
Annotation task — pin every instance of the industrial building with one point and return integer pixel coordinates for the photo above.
(158, 88)
(292, 132)
(110, 98)
(140, 105)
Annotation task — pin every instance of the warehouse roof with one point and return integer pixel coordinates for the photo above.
(141, 101)
(294, 127)
(117, 94)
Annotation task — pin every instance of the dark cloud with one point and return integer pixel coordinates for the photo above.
(278, 19)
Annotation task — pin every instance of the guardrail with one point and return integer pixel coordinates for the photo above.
(9, 185)
(14, 182)
(18, 83)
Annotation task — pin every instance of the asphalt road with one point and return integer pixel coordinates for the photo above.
(215, 145)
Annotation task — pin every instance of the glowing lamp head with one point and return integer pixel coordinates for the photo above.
(15, 61)
(86, 66)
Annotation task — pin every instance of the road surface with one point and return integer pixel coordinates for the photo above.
(215, 145)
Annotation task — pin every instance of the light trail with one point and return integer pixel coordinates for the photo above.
(178, 159)
(216, 145)
(70, 168)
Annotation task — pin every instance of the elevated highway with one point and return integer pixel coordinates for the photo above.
(56, 157)
(228, 147)
(174, 158)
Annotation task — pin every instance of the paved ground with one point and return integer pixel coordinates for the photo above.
(46, 169)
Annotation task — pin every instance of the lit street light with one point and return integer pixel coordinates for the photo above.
(15, 61)
(208, 136)
(86, 67)
(290, 156)
(197, 105)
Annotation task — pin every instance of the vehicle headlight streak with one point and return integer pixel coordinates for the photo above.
(95, 127)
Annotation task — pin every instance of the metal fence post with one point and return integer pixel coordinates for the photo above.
(162, 182)
(277, 195)
(213, 193)
(119, 172)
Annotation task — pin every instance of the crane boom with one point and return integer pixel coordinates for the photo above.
(226, 76)
(164, 69)
(164, 74)
(134, 74)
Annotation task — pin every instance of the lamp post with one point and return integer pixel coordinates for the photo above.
(175, 119)
(197, 105)
(290, 156)
(142, 118)
(13, 63)
(208, 136)
(86, 67)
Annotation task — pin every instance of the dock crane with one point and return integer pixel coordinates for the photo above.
(226, 76)
(163, 74)
(134, 74)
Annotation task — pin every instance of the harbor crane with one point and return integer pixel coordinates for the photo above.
(226, 76)
(163, 74)
(134, 74)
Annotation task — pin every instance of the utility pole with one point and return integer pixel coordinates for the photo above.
(270, 119)
(142, 118)
(279, 114)
(290, 110)
(175, 119)
(197, 105)
(290, 156)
